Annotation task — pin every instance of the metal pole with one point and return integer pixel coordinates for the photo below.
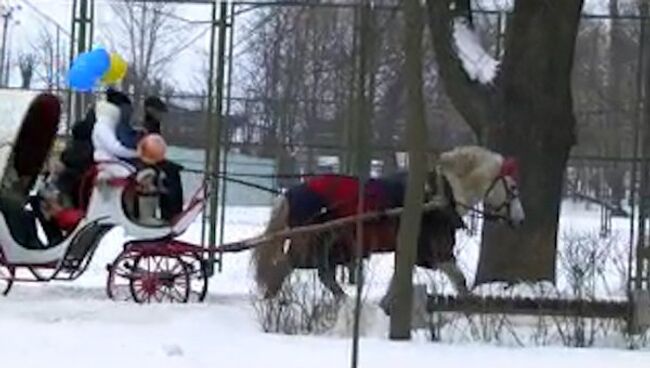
(216, 136)
(73, 28)
(5, 27)
(209, 115)
(634, 279)
(642, 255)
(91, 25)
(82, 21)
(57, 67)
(361, 167)
(226, 145)
(8, 63)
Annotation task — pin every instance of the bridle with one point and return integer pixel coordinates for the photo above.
(509, 169)
(494, 212)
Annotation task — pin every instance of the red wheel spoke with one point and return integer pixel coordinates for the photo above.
(153, 278)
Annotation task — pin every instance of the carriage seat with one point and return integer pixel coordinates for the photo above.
(21, 223)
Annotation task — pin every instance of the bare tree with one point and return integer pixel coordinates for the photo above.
(26, 62)
(47, 60)
(152, 38)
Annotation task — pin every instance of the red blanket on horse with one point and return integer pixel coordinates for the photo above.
(330, 196)
(341, 193)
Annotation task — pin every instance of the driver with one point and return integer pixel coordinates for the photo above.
(104, 136)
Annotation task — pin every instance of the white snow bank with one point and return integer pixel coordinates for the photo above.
(47, 330)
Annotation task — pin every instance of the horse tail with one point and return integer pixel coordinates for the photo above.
(271, 264)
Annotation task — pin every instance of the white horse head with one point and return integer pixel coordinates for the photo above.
(476, 175)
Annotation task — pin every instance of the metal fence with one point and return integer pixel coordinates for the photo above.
(286, 106)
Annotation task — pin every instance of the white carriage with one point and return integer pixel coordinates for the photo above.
(153, 267)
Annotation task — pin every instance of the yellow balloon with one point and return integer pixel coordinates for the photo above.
(116, 71)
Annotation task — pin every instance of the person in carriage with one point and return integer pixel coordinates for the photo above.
(114, 137)
(171, 201)
(75, 161)
(112, 114)
(57, 219)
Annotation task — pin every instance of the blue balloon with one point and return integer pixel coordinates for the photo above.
(96, 61)
(81, 78)
(87, 68)
(99, 61)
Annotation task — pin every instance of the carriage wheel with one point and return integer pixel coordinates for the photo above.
(198, 277)
(120, 275)
(6, 279)
(160, 278)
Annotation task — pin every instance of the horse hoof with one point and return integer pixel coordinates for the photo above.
(385, 308)
(385, 304)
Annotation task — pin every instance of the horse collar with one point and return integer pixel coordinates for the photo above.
(442, 183)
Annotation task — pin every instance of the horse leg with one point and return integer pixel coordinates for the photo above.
(326, 268)
(455, 275)
(352, 272)
(386, 301)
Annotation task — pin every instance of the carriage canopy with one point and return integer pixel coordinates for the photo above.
(29, 123)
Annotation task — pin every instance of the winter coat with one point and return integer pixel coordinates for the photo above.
(104, 135)
(126, 134)
(77, 158)
(78, 153)
(151, 124)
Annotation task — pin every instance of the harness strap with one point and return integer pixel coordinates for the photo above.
(445, 193)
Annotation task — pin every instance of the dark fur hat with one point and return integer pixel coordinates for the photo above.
(153, 102)
(117, 98)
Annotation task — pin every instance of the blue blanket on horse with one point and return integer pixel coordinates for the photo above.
(326, 197)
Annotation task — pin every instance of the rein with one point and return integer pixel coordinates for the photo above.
(493, 214)
(484, 214)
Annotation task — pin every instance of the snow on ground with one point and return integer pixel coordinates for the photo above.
(75, 325)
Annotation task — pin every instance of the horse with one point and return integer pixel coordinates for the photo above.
(463, 176)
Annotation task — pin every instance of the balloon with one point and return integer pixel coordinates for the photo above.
(116, 70)
(87, 68)
(99, 61)
(80, 78)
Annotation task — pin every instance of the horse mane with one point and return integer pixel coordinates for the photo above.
(470, 170)
(463, 160)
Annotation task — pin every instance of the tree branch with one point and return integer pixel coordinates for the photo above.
(474, 101)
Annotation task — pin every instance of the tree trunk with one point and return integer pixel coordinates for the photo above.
(536, 89)
(416, 132)
(527, 113)
(641, 266)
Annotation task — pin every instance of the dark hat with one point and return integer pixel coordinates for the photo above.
(155, 103)
(116, 97)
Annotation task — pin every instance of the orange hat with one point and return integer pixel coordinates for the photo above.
(152, 148)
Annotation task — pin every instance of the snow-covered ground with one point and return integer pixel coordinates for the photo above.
(75, 325)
